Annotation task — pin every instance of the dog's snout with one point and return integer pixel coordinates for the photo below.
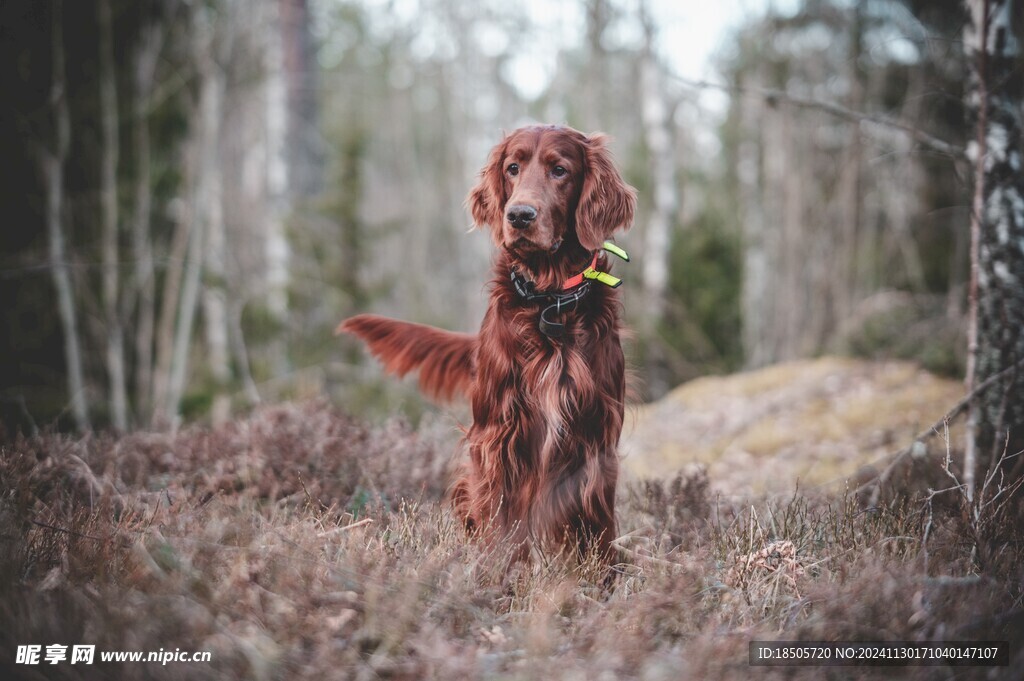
(520, 216)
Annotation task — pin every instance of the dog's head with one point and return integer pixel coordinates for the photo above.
(548, 186)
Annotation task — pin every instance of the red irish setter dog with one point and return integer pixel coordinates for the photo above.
(545, 374)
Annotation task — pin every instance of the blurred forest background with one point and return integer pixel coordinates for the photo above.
(197, 191)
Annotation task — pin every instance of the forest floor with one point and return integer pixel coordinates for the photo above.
(299, 543)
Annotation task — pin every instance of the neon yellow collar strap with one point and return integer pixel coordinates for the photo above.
(615, 250)
(604, 277)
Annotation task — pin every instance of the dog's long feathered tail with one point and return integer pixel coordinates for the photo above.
(446, 361)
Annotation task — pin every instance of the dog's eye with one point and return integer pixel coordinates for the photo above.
(513, 169)
(559, 171)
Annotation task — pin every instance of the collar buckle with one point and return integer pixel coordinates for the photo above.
(574, 289)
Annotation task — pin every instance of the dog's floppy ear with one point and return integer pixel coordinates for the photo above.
(606, 201)
(486, 201)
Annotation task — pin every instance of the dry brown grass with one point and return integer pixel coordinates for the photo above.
(297, 543)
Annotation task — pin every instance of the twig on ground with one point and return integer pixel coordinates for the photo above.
(350, 526)
(942, 422)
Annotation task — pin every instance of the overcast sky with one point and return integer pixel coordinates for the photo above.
(689, 34)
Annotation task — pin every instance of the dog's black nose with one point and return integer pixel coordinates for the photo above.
(521, 216)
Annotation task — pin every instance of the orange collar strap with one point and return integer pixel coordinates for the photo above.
(592, 273)
(573, 282)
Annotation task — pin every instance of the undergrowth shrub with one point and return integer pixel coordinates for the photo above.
(299, 543)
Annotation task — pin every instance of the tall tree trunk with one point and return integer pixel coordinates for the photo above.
(845, 284)
(171, 294)
(996, 334)
(241, 353)
(276, 248)
(598, 17)
(293, 29)
(52, 163)
(146, 56)
(657, 118)
(215, 321)
(204, 193)
(757, 260)
(108, 218)
(185, 318)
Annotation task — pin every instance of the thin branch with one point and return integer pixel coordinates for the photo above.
(350, 526)
(957, 409)
(644, 557)
(773, 95)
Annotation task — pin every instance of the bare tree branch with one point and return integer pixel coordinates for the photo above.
(772, 96)
(956, 410)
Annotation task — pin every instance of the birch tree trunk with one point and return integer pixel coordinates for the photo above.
(656, 116)
(214, 290)
(276, 248)
(108, 218)
(52, 165)
(598, 16)
(205, 193)
(756, 246)
(996, 332)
